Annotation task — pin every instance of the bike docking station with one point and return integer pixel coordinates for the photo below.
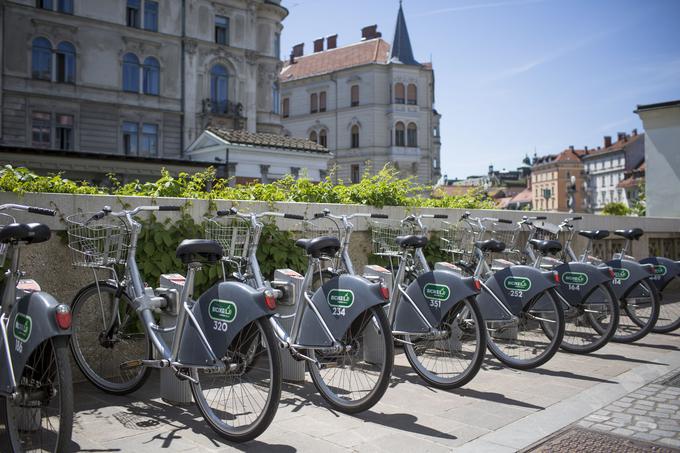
(375, 273)
(289, 282)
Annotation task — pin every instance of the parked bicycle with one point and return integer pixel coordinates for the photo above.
(36, 393)
(339, 329)
(223, 343)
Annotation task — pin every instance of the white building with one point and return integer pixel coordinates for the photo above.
(606, 167)
(370, 102)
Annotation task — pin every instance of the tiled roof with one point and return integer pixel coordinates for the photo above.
(568, 155)
(267, 140)
(524, 196)
(365, 52)
(617, 146)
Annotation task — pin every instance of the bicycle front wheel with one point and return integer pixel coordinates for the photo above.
(240, 402)
(639, 312)
(355, 378)
(592, 323)
(532, 337)
(107, 333)
(669, 310)
(40, 419)
(451, 357)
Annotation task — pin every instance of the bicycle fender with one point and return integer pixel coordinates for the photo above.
(221, 313)
(515, 286)
(435, 293)
(627, 274)
(31, 322)
(578, 280)
(665, 270)
(339, 302)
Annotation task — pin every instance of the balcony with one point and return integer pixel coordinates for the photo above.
(226, 109)
(405, 154)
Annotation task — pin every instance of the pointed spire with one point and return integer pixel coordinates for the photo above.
(401, 44)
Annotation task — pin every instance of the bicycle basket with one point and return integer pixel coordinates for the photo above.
(232, 233)
(458, 239)
(322, 226)
(384, 234)
(97, 243)
(5, 219)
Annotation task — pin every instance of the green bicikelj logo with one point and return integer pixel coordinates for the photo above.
(575, 278)
(222, 310)
(341, 298)
(23, 325)
(660, 269)
(436, 291)
(621, 274)
(517, 283)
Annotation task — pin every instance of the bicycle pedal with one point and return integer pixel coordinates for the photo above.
(184, 377)
(131, 364)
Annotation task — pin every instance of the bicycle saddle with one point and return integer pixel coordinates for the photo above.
(199, 250)
(594, 234)
(411, 240)
(322, 245)
(546, 247)
(29, 233)
(633, 233)
(490, 245)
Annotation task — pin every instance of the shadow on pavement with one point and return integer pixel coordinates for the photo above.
(668, 347)
(496, 398)
(569, 375)
(302, 395)
(623, 359)
(404, 422)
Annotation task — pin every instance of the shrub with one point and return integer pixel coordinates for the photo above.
(615, 208)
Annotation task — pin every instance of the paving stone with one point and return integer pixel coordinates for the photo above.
(615, 423)
(585, 424)
(662, 433)
(670, 441)
(636, 412)
(644, 418)
(623, 432)
(598, 418)
(645, 436)
(626, 400)
(619, 404)
(622, 416)
(602, 427)
(646, 425)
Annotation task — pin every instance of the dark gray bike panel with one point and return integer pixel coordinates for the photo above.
(435, 293)
(32, 321)
(633, 272)
(332, 302)
(579, 280)
(510, 286)
(665, 270)
(213, 313)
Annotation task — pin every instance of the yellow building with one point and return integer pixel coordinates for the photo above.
(551, 179)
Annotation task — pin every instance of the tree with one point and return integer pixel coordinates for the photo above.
(616, 208)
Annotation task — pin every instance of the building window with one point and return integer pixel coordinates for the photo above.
(312, 137)
(66, 63)
(313, 103)
(355, 95)
(149, 143)
(130, 138)
(323, 138)
(41, 129)
(322, 101)
(150, 15)
(412, 94)
(276, 99)
(131, 73)
(222, 30)
(41, 59)
(354, 173)
(152, 76)
(399, 139)
(355, 136)
(65, 6)
(64, 132)
(285, 107)
(412, 135)
(219, 84)
(133, 13)
(44, 4)
(277, 45)
(399, 94)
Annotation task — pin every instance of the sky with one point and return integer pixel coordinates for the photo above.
(514, 77)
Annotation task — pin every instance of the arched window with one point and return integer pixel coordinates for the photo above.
(412, 135)
(313, 103)
(412, 94)
(322, 101)
(152, 76)
(399, 134)
(66, 63)
(219, 84)
(354, 92)
(355, 136)
(399, 93)
(286, 107)
(323, 138)
(276, 99)
(41, 59)
(131, 73)
(312, 136)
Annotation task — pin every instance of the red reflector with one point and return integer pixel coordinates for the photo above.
(557, 277)
(63, 316)
(478, 284)
(611, 273)
(384, 292)
(270, 300)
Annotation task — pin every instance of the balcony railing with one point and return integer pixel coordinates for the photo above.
(223, 108)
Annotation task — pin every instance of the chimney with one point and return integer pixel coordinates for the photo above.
(318, 45)
(621, 136)
(292, 58)
(585, 148)
(607, 141)
(299, 50)
(370, 32)
(331, 42)
(634, 132)
(571, 147)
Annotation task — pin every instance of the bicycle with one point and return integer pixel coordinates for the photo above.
(339, 329)
(666, 278)
(36, 392)
(223, 343)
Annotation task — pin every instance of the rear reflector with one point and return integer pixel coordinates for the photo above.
(557, 277)
(270, 300)
(478, 284)
(63, 316)
(612, 274)
(384, 292)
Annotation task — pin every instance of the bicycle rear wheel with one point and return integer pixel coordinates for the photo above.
(669, 310)
(592, 323)
(453, 357)
(532, 337)
(41, 418)
(639, 312)
(354, 379)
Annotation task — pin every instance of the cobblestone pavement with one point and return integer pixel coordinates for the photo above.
(577, 440)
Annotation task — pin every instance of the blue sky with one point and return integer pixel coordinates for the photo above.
(514, 76)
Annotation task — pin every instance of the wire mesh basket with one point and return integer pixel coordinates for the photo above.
(97, 243)
(459, 240)
(5, 219)
(322, 226)
(232, 233)
(384, 234)
(548, 231)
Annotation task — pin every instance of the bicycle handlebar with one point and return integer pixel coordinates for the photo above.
(327, 213)
(108, 211)
(234, 211)
(31, 209)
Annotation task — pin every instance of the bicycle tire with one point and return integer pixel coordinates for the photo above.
(627, 313)
(669, 307)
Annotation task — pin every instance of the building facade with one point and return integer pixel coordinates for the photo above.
(606, 168)
(371, 103)
(556, 178)
(136, 77)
